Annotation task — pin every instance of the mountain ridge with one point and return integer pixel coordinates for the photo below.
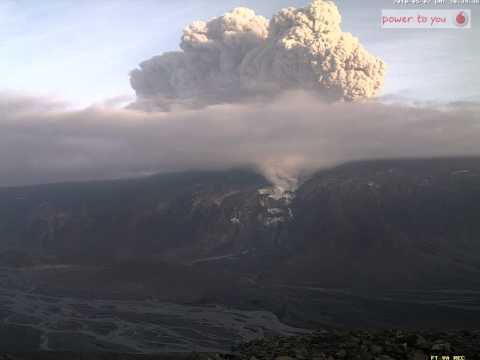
(378, 224)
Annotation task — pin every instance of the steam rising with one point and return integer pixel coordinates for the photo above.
(241, 55)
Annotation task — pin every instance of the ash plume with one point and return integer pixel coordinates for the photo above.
(241, 55)
(243, 92)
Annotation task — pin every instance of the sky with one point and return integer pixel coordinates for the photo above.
(82, 51)
(235, 98)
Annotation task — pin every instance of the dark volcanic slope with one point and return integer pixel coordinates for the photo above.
(390, 223)
(395, 224)
(100, 221)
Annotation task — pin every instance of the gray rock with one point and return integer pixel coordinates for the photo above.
(439, 346)
(421, 342)
(384, 357)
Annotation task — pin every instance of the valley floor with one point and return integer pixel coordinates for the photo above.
(33, 320)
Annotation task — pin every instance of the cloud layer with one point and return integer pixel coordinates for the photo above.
(42, 141)
(241, 55)
(262, 94)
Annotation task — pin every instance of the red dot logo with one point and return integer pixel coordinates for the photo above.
(461, 19)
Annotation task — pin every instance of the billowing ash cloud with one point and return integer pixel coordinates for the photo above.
(43, 142)
(258, 95)
(241, 55)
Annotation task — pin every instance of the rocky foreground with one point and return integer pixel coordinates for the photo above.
(322, 345)
(365, 345)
